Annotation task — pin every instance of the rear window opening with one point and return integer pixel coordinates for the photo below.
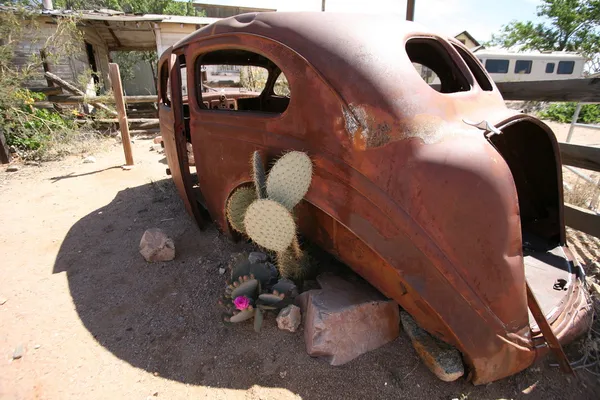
(240, 80)
(435, 65)
(475, 68)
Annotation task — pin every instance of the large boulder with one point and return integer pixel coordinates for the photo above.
(344, 319)
(156, 246)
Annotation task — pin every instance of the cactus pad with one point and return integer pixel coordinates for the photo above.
(242, 315)
(261, 272)
(247, 288)
(291, 266)
(270, 225)
(258, 175)
(290, 178)
(236, 207)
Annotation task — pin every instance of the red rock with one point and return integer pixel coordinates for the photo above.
(346, 319)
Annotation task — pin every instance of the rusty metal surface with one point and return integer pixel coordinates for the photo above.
(407, 194)
(175, 144)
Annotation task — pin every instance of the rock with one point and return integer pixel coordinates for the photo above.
(257, 257)
(126, 167)
(190, 154)
(156, 246)
(12, 168)
(441, 358)
(3, 300)
(346, 319)
(12, 149)
(221, 271)
(157, 140)
(18, 353)
(33, 163)
(289, 318)
(37, 346)
(89, 160)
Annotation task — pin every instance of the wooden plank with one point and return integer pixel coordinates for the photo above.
(582, 219)
(117, 87)
(580, 156)
(46, 66)
(69, 99)
(581, 90)
(5, 157)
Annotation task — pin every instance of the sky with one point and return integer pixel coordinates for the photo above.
(480, 17)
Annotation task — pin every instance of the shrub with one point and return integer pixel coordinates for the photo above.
(563, 112)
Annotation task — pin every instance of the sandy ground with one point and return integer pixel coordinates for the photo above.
(97, 322)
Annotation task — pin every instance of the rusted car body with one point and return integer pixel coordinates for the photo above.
(445, 200)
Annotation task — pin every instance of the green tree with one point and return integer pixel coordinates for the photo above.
(167, 7)
(569, 25)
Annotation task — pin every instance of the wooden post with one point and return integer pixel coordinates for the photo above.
(117, 87)
(4, 151)
(410, 10)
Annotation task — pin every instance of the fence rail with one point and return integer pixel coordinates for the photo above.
(585, 157)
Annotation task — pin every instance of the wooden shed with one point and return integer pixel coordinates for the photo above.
(103, 31)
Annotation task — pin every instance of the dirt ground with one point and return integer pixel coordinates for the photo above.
(97, 322)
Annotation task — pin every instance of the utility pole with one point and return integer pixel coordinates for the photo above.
(410, 10)
(322, 5)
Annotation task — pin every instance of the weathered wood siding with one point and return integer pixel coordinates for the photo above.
(69, 67)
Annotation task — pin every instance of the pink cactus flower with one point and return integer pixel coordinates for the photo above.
(241, 302)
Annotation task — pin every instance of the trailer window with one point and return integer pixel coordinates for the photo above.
(496, 66)
(523, 67)
(565, 67)
(236, 80)
(430, 55)
(550, 68)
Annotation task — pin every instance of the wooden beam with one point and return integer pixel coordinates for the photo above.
(112, 33)
(73, 89)
(69, 99)
(582, 90)
(132, 48)
(582, 219)
(117, 87)
(46, 66)
(580, 156)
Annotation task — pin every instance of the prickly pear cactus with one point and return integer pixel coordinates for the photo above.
(236, 207)
(290, 178)
(293, 265)
(258, 176)
(270, 225)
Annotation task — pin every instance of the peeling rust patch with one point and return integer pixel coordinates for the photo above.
(363, 129)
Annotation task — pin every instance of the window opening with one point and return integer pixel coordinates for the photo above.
(523, 66)
(240, 80)
(475, 68)
(550, 68)
(430, 57)
(494, 66)
(165, 89)
(565, 67)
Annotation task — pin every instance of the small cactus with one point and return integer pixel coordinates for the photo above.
(237, 205)
(290, 178)
(270, 225)
(243, 315)
(258, 176)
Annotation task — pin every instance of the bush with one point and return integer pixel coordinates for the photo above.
(563, 112)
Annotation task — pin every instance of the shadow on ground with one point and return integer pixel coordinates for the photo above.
(164, 317)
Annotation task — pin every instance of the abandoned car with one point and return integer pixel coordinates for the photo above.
(438, 195)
